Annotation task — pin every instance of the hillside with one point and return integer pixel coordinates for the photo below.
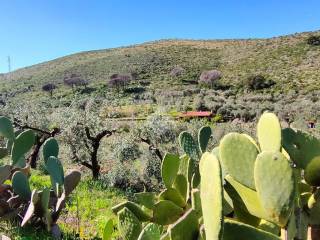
(287, 60)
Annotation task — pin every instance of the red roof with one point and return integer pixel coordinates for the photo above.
(196, 114)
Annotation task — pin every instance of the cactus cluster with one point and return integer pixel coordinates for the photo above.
(174, 212)
(242, 189)
(18, 201)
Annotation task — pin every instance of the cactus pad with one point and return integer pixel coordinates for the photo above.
(134, 208)
(50, 148)
(20, 185)
(234, 230)
(169, 169)
(312, 172)
(211, 193)
(275, 188)
(128, 224)
(6, 128)
(146, 199)
(166, 212)
(108, 230)
(71, 181)
(181, 185)
(55, 169)
(150, 232)
(269, 132)
(301, 146)
(186, 228)
(174, 196)
(204, 137)
(21, 146)
(188, 145)
(34, 200)
(238, 155)
(245, 197)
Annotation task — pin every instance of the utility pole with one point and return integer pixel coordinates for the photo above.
(9, 64)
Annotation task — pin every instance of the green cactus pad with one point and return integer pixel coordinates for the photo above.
(3, 152)
(174, 196)
(5, 172)
(188, 145)
(50, 148)
(186, 228)
(238, 155)
(181, 185)
(275, 188)
(242, 215)
(312, 172)
(20, 185)
(269, 227)
(150, 232)
(314, 214)
(108, 230)
(134, 208)
(301, 146)
(34, 200)
(269, 132)
(6, 128)
(21, 146)
(245, 197)
(234, 230)
(129, 225)
(211, 192)
(146, 199)
(45, 197)
(166, 212)
(196, 201)
(186, 167)
(71, 181)
(55, 169)
(169, 169)
(204, 137)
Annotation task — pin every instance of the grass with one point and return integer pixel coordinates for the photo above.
(85, 215)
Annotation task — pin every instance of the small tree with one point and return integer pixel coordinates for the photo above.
(314, 40)
(49, 87)
(75, 80)
(119, 81)
(210, 78)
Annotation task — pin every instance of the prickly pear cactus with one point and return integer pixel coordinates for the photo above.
(189, 145)
(312, 172)
(169, 169)
(204, 137)
(269, 132)
(211, 193)
(238, 155)
(128, 224)
(6, 128)
(50, 148)
(22, 144)
(150, 232)
(275, 188)
(20, 185)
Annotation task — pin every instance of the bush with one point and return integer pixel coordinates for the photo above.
(314, 40)
(75, 80)
(119, 81)
(177, 71)
(49, 87)
(258, 82)
(210, 78)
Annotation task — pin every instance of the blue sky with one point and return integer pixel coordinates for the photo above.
(33, 31)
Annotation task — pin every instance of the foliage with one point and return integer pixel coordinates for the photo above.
(210, 78)
(38, 207)
(314, 40)
(258, 82)
(245, 190)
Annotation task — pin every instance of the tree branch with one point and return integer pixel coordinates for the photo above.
(152, 148)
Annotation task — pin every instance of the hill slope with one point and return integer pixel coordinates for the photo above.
(287, 60)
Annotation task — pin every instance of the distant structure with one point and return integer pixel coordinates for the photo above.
(194, 114)
(9, 64)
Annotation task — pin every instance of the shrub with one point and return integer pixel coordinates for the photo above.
(75, 80)
(49, 87)
(210, 78)
(119, 81)
(177, 71)
(258, 82)
(314, 40)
